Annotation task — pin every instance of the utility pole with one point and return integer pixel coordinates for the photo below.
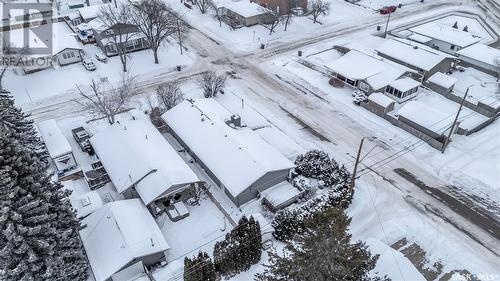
(447, 140)
(353, 178)
(179, 34)
(387, 25)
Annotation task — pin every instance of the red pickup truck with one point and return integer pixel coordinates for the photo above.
(387, 10)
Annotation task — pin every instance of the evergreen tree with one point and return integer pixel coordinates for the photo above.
(466, 28)
(455, 25)
(13, 119)
(38, 229)
(322, 252)
(240, 249)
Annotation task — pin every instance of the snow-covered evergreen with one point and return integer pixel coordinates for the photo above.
(322, 252)
(38, 229)
(13, 119)
(200, 268)
(240, 249)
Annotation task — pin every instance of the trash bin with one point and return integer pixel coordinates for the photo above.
(299, 53)
(379, 27)
(400, 5)
(178, 68)
(262, 46)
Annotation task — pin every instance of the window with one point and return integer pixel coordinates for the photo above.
(452, 47)
(69, 55)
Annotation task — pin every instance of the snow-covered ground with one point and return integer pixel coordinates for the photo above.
(61, 81)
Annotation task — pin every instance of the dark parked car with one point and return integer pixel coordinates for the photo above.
(82, 138)
(387, 10)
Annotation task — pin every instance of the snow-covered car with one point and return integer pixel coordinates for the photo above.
(357, 93)
(359, 98)
(88, 64)
(100, 56)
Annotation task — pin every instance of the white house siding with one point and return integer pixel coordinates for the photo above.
(68, 56)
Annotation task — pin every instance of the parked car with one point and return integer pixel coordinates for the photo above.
(88, 64)
(360, 97)
(100, 56)
(82, 137)
(387, 10)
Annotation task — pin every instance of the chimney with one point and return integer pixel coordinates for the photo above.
(236, 120)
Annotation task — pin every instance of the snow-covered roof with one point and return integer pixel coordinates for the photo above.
(119, 233)
(135, 153)
(442, 80)
(482, 53)
(360, 66)
(61, 35)
(86, 203)
(91, 12)
(243, 8)
(413, 54)
(404, 84)
(280, 193)
(445, 33)
(419, 38)
(56, 143)
(380, 99)
(425, 116)
(236, 156)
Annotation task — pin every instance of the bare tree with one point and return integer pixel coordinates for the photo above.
(212, 83)
(318, 8)
(287, 19)
(169, 95)
(107, 100)
(273, 19)
(203, 5)
(218, 12)
(156, 21)
(119, 27)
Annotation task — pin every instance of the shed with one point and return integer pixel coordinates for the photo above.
(441, 83)
(237, 159)
(57, 145)
(281, 196)
(380, 103)
(120, 234)
(91, 12)
(135, 154)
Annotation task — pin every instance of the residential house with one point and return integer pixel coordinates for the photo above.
(443, 37)
(57, 146)
(481, 57)
(283, 6)
(373, 74)
(57, 41)
(141, 163)
(242, 13)
(119, 235)
(107, 38)
(425, 60)
(237, 159)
